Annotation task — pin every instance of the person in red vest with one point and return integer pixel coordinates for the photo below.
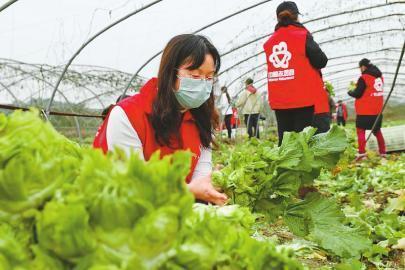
(172, 112)
(294, 61)
(341, 113)
(369, 102)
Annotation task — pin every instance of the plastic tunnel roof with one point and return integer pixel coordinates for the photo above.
(34, 49)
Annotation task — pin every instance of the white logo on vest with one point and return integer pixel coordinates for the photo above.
(280, 50)
(379, 87)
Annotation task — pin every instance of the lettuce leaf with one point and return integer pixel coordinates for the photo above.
(322, 221)
(35, 160)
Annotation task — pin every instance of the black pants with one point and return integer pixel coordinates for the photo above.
(321, 122)
(252, 123)
(293, 120)
(228, 124)
(341, 121)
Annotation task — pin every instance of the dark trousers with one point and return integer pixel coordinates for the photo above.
(321, 122)
(228, 124)
(293, 120)
(252, 123)
(341, 121)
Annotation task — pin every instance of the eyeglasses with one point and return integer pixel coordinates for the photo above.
(211, 78)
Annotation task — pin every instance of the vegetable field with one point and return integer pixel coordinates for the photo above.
(298, 206)
(73, 71)
(351, 217)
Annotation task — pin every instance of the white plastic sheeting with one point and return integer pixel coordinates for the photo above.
(48, 32)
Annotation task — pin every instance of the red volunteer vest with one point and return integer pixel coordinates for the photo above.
(292, 81)
(371, 102)
(137, 109)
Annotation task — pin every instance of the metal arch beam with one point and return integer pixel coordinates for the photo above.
(100, 95)
(245, 73)
(264, 64)
(331, 73)
(351, 100)
(347, 97)
(43, 80)
(28, 74)
(316, 31)
(359, 21)
(330, 80)
(10, 92)
(333, 58)
(363, 53)
(261, 79)
(341, 79)
(81, 85)
(240, 62)
(48, 108)
(48, 83)
(6, 5)
(356, 62)
(51, 69)
(343, 88)
(387, 72)
(401, 84)
(266, 84)
(323, 42)
(362, 34)
(76, 121)
(347, 78)
(195, 32)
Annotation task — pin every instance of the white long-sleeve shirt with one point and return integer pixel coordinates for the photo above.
(120, 133)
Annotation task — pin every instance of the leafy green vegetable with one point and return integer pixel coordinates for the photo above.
(322, 221)
(64, 230)
(265, 177)
(87, 210)
(34, 161)
(13, 252)
(45, 261)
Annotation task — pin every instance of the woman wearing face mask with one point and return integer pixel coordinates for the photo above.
(174, 111)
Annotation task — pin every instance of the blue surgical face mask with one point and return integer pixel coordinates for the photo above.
(193, 93)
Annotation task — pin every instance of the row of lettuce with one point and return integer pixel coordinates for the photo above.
(63, 206)
(67, 207)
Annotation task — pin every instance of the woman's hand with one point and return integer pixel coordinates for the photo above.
(203, 189)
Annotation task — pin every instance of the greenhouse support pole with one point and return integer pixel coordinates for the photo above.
(389, 94)
(48, 108)
(195, 32)
(78, 130)
(6, 5)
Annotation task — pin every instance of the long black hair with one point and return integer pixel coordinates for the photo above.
(166, 117)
